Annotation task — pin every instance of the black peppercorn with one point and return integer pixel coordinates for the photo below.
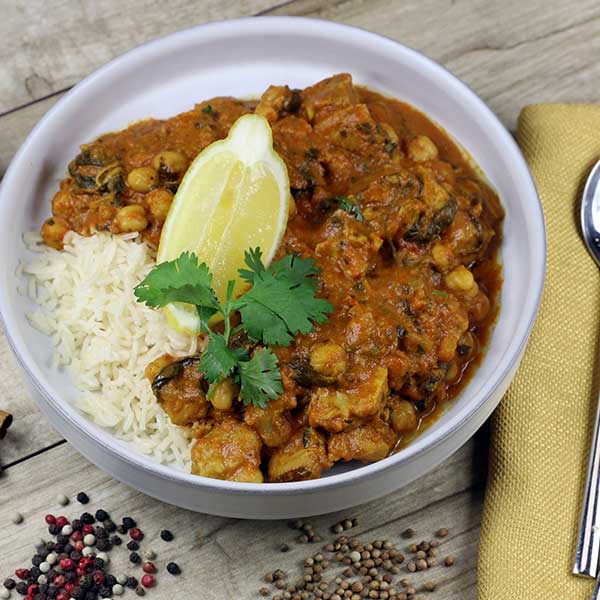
(37, 560)
(22, 588)
(103, 545)
(76, 556)
(101, 533)
(86, 582)
(34, 573)
(131, 582)
(87, 518)
(128, 523)
(98, 563)
(68, 548)
(76, 524)
(53, 529)
(115, 540)
(166, 535)
(110, 580)
(134, 557)
(105, 591)
(139, 590)
(101, 515)
(110, 526)
(83, 498)
(133, 546)
(62, 539)
(70, 576)
(53, 592)
(91, 595)
(10, 584)
(121, 529)
(173, 568)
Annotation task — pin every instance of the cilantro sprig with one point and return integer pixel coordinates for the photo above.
(280, 303)
(350, 207)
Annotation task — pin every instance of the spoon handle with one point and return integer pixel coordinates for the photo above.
(588, 541)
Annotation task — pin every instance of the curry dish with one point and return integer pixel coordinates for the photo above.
(410, 270)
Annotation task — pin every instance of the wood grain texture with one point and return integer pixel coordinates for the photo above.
(226, 558)
(40, 56)
(511, 53)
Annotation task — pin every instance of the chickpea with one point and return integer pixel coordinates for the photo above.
(328, 359)
(159, 202)
(170, 162)
(223, 394)
(461, 280)
(61, 203)
(404, 417)
(131, 218)
(480, 307)
(142, 179)
(422, 149)
(53, 231)
(441, 256)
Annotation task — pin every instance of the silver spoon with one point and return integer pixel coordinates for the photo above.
(588, 541)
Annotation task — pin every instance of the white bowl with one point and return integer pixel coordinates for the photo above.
(241, 58)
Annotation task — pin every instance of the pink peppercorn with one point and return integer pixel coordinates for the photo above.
(76, 536)
(148, 580)
(78, 545)
(50, 519)
(62, 596)
(61, 521)
(69, 587)
(149, 567)
(59, 581)
(66, 564)
(32, 590)
(136, 534)
(22, 573)
(87, 529)
(99, 577)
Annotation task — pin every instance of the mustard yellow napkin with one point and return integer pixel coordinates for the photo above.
(541, 431)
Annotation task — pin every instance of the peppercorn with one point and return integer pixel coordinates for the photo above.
(166, 535)
(442, 533)
(449, 561)
(104, 591)
(121, 529)
(98, 563)
(83, 498)
(139, 590)
(147, 580)
(54, 529)
(103, 545)
(136, 534)
(22, 588)
(133, 546)
(131, 583)
(134, 557)
(128, 523)
(173, 568)
(87, 518)
(115, 540)
(110, 526)
(86, 582)
(101, 515)
(100, 532)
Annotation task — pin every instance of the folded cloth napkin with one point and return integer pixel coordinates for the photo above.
(541, 432)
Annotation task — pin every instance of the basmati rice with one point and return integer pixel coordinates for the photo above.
(104, 338)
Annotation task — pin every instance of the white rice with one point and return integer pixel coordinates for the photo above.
(104, 338)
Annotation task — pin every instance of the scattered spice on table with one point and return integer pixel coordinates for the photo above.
(74, 566)
(350, 568)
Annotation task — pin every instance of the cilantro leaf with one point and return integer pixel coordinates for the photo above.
(260, 378)
(253, 258)
(350, 207)
(281, 302)
(218, 360)
(180, 280)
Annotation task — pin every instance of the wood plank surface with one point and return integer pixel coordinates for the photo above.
(511, 53)
(226, 558)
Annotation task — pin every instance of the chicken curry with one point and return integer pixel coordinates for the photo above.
(404, 232)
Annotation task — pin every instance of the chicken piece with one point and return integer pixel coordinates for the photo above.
(276, 101)
(350, 243)
(295, 142)
(336, 410)
(336, 91)
(328, 360)
(179, 388)
(303, 457)
(369, 442)
(273, 423)
(231, 450)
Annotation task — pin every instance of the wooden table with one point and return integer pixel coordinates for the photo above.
(511, 53)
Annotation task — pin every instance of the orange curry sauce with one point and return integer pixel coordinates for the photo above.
(411, 271)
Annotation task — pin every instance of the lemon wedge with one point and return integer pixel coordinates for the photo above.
(234, 196)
